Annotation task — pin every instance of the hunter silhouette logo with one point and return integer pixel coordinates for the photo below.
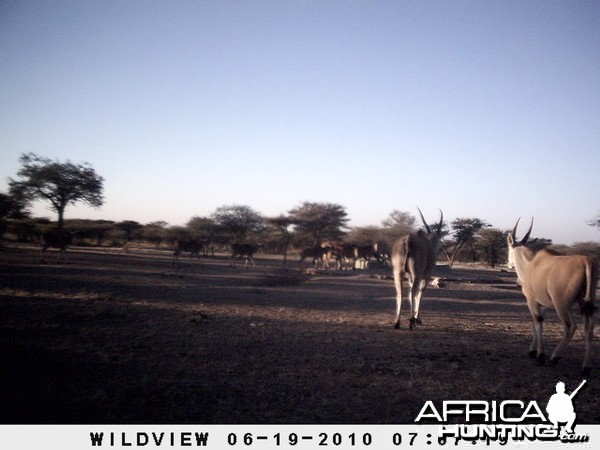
(504, 420)
(560, 407)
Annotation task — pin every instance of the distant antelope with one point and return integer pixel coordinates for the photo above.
(555, 281)
(365, 252)
(415, 254)
(352, 253)
(245, 250)
(317, 254)
(187, 245)
(342, 253)
(56, 238)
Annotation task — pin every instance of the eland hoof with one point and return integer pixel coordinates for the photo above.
(532, 354)
(554, 361)
(414, 322)
(541, 359)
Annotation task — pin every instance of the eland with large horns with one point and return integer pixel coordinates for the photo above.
(549, 280)
(415, 254)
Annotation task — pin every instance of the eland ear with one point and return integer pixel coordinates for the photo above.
(510, 239)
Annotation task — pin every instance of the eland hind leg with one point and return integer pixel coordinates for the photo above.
(537, 346)
(569, 327)
(398, 284)
(588, 326)
(416, 294)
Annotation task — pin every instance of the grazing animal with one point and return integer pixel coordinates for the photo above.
(187, 245)
(555, 281)
(317, 254)
(383, 253)
(415, 254)
(56, 238)
(245, 250)
(343, 253)
(365, 252)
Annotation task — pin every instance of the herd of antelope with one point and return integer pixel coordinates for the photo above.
(548, 280)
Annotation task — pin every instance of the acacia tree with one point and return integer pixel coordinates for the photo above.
(155, 232)
(464, 230)
(319, 221)
(59, 183)
(282, 223)
(397, 224)
(202, 228)
(366, 235)
(10, 208)
(129, 227)
(238, 223)
(492, 243)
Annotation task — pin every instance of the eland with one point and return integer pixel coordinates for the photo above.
(549, 280)
(321, 253)
(57, 238)
(187, 245)
(246, 251)
(415, 254)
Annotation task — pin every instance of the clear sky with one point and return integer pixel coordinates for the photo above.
(487, 109)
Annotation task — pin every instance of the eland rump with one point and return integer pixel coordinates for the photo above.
(415, 254)
(555, 281)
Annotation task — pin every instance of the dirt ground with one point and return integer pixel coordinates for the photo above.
(110, 337)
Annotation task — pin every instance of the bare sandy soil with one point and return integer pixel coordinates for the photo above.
(127, 338)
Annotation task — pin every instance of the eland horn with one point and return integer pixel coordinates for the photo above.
(427, 227)
(525, 239)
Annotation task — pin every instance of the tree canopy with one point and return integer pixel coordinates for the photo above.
(398, 223)
(464, 231)
(319, 221)
(60, 183)
(238, 223)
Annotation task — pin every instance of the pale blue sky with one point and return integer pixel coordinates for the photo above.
(486, 109)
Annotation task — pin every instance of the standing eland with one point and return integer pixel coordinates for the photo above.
(247, 251)
(415, 254)
(322, 253)
(191, 245)
(555, 281)
(57, 238)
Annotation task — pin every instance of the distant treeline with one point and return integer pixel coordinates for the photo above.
(486, 245)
